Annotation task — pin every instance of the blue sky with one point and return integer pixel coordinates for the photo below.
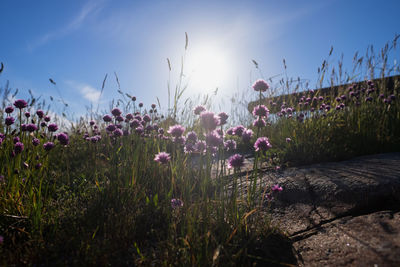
(77, 42)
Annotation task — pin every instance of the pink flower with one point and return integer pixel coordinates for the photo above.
(260, 85)
(162, 158)
(276, 188)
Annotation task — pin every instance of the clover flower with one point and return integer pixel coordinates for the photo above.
(276, 188)
(9, 121)
(47, 118)
(52, 127)
(208, 120)
(48, 146)
(20, 103)
(35, 141)
(63, 138)
(18, 147)
(238, 130)
(116, 112)
(247, 135)
(213, 139)
(31, 127)
(9, 109)
(223, 117)
(27, 114)
(262, 143)
(235, 161)
(260, 86)
(261, 111)
(40, 113)
(111, 128)
(230, 145)
(118, 132)
(162, 158)
(176, 130)
(146, 118)
(199, 109)
(191, 137)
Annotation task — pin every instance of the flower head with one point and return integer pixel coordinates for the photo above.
(276, 188)
(162, 158)
(230, 145)
(238, 130)
(116, 112)
(118, 132)
(20, 103)
(262, 143)
(247, 135)
(260, 85)
(213, 139)
(111, 128)
(288, 140)
(31, 127)
(176, 130)
(52, 127)
(9, 109)
(199, 109)
(107, 118)
(191, 137)
(261, 111)
(63, 138)
(48, 146)
(235, 161)
(9, 121)
(35, 141)
(223, 117)
(208, 120)
(40, 113)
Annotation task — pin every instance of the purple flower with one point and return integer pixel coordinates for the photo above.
(261, 111)
(43, 124)
(111, 128)
(31, 127)
(276, 188)
(200, 146)
(118, 132)
(38, 166)
(176, 203)
(162, 158)
(107, 118)
(176, 130)
(9, 109)
(392, 97)
(230, 145)
(235, 161)
(259, 123)
(223, 117)
(179, 140)
(368, 99)
(27, 114)
(40, 113)
(140, 104)
(18, 147)
(119, 118)
(35, 141)
(153, 106)
(189, 148)
(135, 123)
(238, 130)
(48, 146)
(47, 118)
(199, 109)
(63, 138)
(9, 121)
(247, 135)
(139, 130)
(288, 140)
(262, 143)
(208, 120)
(213, 139)
(147, 118)
(230, 131)
(92, 122)
(16, 139)
(133, 98)
(20, 103)
(191, 137)
(52, 127)
(260, 85)
(116, 112)
(129, 116)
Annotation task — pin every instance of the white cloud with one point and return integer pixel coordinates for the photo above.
(90, 93)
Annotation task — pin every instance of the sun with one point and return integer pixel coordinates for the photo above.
(208, 66)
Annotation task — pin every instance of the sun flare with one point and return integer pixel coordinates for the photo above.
(208, 67)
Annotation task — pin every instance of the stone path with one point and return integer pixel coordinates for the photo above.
(342, 213)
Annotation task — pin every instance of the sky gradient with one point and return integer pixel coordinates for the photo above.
(76, 43)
